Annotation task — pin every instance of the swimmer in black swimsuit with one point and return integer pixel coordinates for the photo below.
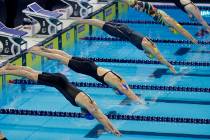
(2, 137)
(160, 17)
(75, 96)
(87, 67)
(192, 10)
(124, 32)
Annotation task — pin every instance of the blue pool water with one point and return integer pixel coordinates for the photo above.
(168, 103)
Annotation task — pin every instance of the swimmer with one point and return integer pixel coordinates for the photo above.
(192, 11)
(2, 137)
(124, 32)
(161, 17)
(87, 67)
(57, 80)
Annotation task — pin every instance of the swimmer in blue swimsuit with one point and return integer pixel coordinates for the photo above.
(87, 67)
(124, 32)
(57, 80)
(193, 11)
(161, 17)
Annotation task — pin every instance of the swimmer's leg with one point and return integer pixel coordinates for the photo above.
(52, 54)
(94, 22)
(194, 11)
(55, 51)
(84, 101)
(19, 71)
(14, 67)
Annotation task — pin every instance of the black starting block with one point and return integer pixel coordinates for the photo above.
(78, 8)
(11, 42)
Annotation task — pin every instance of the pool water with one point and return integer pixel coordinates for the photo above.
(161, 103)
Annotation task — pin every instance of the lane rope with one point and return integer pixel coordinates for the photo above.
(175, 7)
(90, 38)
(110, 116)
(133, 86)
(151, 22)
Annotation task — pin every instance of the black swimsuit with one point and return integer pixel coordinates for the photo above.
(61, 83)
(87, 67)
(181, 6)
(123, 32)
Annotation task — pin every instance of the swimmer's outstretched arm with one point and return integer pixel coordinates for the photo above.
(171, 23)
(149, 46)
(125, 89)
(119, 85)
(193, 10)
(84, 101)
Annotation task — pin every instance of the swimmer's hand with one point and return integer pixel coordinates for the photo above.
(172, 69)
(113, 131)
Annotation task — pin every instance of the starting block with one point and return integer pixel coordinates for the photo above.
(11, 42)
(76, 8)
(43, 22)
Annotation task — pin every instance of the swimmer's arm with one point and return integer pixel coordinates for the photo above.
(170, 22)
(87, 103)
(94, 22)
(164, 61)
(54, 51)
(104, 120)
(129, 93)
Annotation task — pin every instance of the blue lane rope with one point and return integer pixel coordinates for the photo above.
(138, 61)
(110, 116)
(175, 7)
(143, 87)
(154, 40)
(151, 22)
